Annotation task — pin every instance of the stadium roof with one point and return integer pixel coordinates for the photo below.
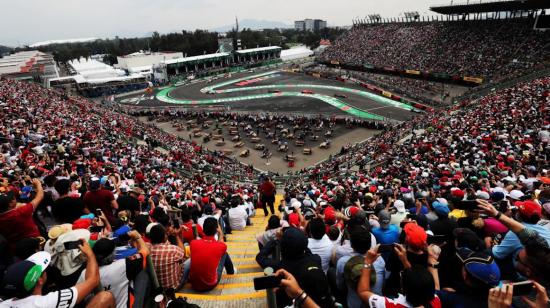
(197, 58)
(492, 6)
(259, 49)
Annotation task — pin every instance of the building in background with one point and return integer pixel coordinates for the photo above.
(33, 64)
(142, 62)
(310, 25)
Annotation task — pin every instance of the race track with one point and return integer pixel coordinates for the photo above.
(167, 96)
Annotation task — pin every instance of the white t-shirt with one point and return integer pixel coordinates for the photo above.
(65, 298)
(118, 276)
(323, 248)
(237, 217)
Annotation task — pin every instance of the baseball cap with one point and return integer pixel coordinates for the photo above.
(353, 269)
(82, 223)
(350, 211)
(516, 194)
(529, 208)
(440, 208)
(384, 217)
(103, 248)
(480, 265)
(416, 236)
(21, 277)
(400, 206)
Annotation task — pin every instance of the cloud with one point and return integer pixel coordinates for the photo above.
(25, 22)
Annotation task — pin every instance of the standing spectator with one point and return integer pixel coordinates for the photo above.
(267, 195)
(209, 257)
(386, 233)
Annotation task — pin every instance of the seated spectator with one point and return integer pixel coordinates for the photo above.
(189, 230)
(24, 282)
(237, 215)
(169, 261)
(209, 257)
(319, 243)
(16, 222)
(67, 209)
(117, 276)
(295, 257)
(97, 197)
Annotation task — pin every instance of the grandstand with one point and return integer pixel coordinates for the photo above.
(435, 193)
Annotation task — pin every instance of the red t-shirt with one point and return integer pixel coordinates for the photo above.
(206, 254)
(267, 189)
(188, 234)
(18, 224)
(100, 199)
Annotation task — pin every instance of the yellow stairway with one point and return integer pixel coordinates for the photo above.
(236, 290)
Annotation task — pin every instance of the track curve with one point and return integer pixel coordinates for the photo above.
(164, 96)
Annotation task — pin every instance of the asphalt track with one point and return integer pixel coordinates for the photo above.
(255, 96)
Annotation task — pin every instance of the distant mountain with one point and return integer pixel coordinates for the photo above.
(253, 24)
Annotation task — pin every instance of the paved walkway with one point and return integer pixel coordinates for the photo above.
(237, 290)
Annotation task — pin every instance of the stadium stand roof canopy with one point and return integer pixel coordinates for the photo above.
(491, 6)
(198, 58)
(259, 49)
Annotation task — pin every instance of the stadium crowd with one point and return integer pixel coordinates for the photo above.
(467, 48)
(398, 232)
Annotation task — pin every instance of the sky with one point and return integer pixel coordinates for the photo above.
(30, 21)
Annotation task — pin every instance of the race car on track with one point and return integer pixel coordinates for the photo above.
(340, 95)
(307, 92)
(274, 91)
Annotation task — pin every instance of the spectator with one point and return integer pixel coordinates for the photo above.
(169, 261)
(16, 222)
(238, 215)
(24, 282)
(209, 257)
(67, 209)
(319, 243)
(100, 198)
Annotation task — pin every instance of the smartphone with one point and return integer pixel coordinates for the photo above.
(385, 248)
(468, 205)
(98, 212)
(267, 282)
(523, 288)
(72, 245)
(176, 224)
(95, 229)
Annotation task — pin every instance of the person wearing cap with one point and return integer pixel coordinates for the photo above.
(98, 197)
(24, 282)
(479, 274)
(400, 215)
(386, 233)
(118, 276)
(532, 260)
(16, 222)
(529, 213)
(418, 284)
(416, 244)
(361, 242)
